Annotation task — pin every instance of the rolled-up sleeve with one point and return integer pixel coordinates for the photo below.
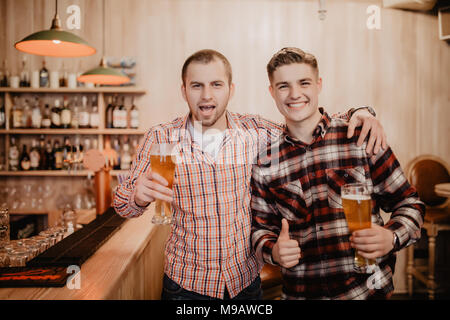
(123, 201)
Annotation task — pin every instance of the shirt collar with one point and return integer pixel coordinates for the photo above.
(319, 131)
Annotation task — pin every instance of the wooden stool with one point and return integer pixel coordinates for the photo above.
(435, 221)
(424, 173)
(271, 282)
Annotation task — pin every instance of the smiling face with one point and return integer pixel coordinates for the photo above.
(207, 90)
(295, 88)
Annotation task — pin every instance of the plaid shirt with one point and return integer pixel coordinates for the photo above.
(302, 183)
(209, 244)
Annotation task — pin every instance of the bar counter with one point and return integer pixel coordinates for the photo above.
(129, 265)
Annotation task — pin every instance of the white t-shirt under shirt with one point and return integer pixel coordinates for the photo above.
(209, 141)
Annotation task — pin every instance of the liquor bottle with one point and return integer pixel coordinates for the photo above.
(116, 147)
(26, 115)
(34, 155)
(13, 155)
(109, 113)
(46, 118)
(42, 153)
(25, 162)
(66, 115)
(67, 153)
(58, 154)
(17, 112)
(56, 115)
(116, 114)
(2, 113)
(83, 121)
(94, 117)
(133, 116)
(75, 114)
(125, 159)
(123, 114)
(4, 79)
(43, 76)
(36, 116)
(134, 147)
(49, 157)
(24, 74)
(63, 77)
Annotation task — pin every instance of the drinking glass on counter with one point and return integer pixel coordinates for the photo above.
(163, 162)
(4, 258)
(19, 257)
(4, 227)
(357, 203)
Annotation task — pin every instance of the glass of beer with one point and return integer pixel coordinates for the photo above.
(357, 204)
(163, 162)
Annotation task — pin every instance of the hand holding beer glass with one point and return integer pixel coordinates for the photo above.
(163, 162)
(357, 204)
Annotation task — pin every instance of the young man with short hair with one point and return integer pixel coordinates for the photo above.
(298, 218)
(208, 252)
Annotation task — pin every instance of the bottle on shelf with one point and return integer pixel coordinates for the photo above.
(34, 155)
(125, 159)
(25, 162)
(116, 114)
(67, 153)
(109, 113)
(66, 114)
(43, 76)
(36, 116)
(17, 113)
(83, 121)
(58, 154)
(56, 115)
(63, 77)
(46, 121)
(77, 153)
(49, 157)
(24, 74)
(133, 117)
(4, 79)
(94, 117)
(2, 113)
(75, 114)
(26, 115)
(13, 155)
(42, 153)
(116, 147)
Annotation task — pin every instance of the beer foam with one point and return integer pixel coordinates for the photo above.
(358, 197)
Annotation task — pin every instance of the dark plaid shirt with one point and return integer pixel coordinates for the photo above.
(302, 183)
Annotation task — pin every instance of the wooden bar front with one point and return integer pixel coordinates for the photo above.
(127, 266)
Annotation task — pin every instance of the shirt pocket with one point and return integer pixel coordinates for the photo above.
(336, 178)
(291, 200)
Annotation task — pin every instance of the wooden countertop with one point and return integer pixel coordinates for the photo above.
(102, 273)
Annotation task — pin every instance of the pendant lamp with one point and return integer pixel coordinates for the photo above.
(55, 42)
(102, 74)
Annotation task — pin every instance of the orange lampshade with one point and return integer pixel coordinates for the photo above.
(103, 75)
(55, 43)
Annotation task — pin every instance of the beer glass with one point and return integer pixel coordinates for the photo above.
(163, 162)
(357, 205)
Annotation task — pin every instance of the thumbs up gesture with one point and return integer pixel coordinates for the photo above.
(286, 252)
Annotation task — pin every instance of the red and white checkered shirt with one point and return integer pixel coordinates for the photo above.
(209, 244)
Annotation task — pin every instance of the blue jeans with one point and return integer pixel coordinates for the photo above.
(173, 291)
